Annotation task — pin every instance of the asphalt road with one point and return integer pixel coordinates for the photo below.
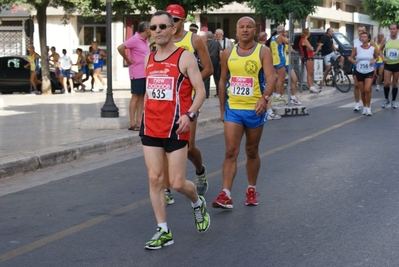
(328, 189)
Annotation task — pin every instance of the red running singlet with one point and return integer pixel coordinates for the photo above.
(168, 97)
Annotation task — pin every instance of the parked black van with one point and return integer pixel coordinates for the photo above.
(341, 42)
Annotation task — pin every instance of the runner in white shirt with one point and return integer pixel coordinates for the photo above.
(356, 91)
(364, 56)
(65, 67)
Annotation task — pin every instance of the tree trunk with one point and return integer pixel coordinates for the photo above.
(42, 22)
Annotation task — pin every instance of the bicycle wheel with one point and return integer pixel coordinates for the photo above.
(329, 79)
(342, 81)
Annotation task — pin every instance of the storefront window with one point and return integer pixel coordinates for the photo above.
(92, 30)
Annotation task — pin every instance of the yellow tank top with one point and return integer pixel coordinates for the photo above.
(32, 62)
(391, 51)
(377, 46)
(79, 61)
(287, 56)
(278, 52)
(246, 81)
(186, 42)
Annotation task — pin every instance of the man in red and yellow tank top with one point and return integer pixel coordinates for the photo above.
(195, 44)
(168, 112)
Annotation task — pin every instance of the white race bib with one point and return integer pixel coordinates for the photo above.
(160, 88)
(95, 58)
(242, 86)
(393, 54)
(364, 67)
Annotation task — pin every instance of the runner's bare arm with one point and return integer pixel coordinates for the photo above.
(223, 79)
(188, 65)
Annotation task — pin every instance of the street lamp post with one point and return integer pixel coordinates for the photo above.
(109, 110)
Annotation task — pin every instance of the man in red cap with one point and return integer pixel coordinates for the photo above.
(196, 45)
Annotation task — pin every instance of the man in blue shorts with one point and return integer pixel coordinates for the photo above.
(243, 102)
(65, 67)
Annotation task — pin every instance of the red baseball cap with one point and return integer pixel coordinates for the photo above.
(176, 11)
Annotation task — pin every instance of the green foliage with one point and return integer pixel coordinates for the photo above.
(193, 5)
(120, 8)
(278, 10)
(385, 12)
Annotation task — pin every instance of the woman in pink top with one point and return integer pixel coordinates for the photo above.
(138, 49)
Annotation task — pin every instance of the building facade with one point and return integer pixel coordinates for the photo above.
(78, 32)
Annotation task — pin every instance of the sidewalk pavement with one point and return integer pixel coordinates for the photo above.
(39, 131)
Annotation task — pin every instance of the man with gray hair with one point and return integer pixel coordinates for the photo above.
(214, 50)
(224, 41)
(138, 48)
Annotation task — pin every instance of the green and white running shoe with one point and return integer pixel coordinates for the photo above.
(201, 183)
(160, 239)
(202, 218)
(169, 197)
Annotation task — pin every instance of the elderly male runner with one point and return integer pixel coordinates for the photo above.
(243, 107)
(195, 44)
(168, 112)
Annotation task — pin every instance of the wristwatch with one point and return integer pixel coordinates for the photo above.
(191, 115)
(267, 98)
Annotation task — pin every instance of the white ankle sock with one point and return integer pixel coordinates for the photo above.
(197, 204)
(228, 193)
(164, 226)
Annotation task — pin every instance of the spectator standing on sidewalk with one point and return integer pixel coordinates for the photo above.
(290, 71)
(243, 107)
(196, 45)
(165, 129)
(307, 54)
(98, 63)
(138, 48)
(224, 41)
(277, 47)
(65, 67)
(34, 69)
(214, 49)
(262, 39)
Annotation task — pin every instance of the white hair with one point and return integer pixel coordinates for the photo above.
(219, 31)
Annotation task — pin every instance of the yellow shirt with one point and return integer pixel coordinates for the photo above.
(246, 80)
(377, 46)
(186, 42)
(391, 51)
(33, 61)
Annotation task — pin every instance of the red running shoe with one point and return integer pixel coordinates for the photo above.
(251, 197)
(223, 201)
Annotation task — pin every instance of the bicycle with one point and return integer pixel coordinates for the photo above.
(337, 77)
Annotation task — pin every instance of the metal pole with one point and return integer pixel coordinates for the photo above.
(290, 57)
(109, 110)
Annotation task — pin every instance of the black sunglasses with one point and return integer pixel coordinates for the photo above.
(161, 26)
(176, 19)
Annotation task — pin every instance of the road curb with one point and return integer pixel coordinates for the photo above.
(48, 157)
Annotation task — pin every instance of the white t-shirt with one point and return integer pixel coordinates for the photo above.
(65, 62)
(225, 42)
